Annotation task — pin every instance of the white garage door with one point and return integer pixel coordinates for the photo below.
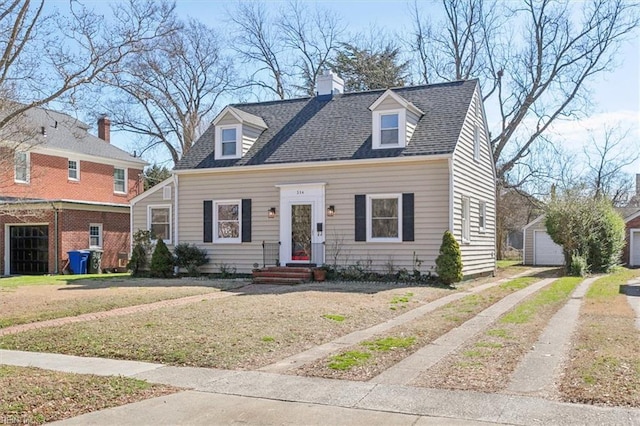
(546, 252)
(634, 255)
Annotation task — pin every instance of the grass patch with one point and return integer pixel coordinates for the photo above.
(518, 283)
(608, 287)
(348, 360)
(268, 339)
(389, 343)
(27, 280)
(34, 396)
(400, 300)
(558, 291)
(499, 332)
(504, 264)
(336, 318)
(492, 345)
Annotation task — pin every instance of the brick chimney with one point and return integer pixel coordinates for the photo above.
(104, 128)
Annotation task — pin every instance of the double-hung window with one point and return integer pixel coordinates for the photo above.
(385, 218)
(159, 218)
(95, 235)
(22, 160)
(466, 234)
(227, 221)
(389, 129)
(482, 216)
(119, 180)
(74, 170)
(228, 144)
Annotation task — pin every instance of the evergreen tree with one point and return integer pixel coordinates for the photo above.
(449, 261)
(161, 261)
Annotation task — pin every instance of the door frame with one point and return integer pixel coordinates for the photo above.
(7, 242)
(301, 193)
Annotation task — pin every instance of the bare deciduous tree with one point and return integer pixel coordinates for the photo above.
(288, 51)
(606, 160)
(169, 91)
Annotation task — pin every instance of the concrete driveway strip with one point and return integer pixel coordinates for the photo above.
(322, 351)
(75, 364)
(536, 373)
(632, 289)
(409, 369)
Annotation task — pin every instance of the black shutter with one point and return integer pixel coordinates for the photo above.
(407, 217)
(246, 220)
(207, 214)
(361, 218)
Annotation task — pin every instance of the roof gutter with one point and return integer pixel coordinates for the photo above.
(318, 164)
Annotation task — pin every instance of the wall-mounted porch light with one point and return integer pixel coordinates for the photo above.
(271, 213)
(331, 211)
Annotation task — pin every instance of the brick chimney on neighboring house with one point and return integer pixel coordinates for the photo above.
(104, 128)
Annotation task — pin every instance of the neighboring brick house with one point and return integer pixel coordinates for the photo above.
(65, 189)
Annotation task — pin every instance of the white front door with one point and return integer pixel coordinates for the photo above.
(302, 223)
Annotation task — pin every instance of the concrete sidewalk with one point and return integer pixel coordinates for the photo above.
(254, 397)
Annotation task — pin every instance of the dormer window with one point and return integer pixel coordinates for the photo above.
(229, 142)
(394, 119)
(389, 129)
(236, 131)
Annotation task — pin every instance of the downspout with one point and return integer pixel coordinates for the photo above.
(450, 163)
(56, 248)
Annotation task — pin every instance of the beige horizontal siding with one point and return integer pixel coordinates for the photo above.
(428, 180)
(139, 210)
(474, 179)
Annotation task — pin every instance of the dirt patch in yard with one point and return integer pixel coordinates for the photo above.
(35, 396)
(604, 362)
(486, 363)
(247, 331)
(21, 305)
(423, 331)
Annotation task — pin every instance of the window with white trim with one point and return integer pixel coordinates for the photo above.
(389, 129)
(74, 170)
(384, 218)
(159, 222)
(476, 142)
(466, 235)
(227, 221)
(482, 216)
(228, 143)
(119, 180)
(95, 235)
(21, 166)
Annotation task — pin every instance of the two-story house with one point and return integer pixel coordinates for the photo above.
(64, 189)
(372, 178)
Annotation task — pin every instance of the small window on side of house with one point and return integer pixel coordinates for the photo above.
(119, 180)
(166, 193)
(476, 142)
(466, 234)
(74, 170)
(95, 235)
(482, 216)
(159, 222)
(21, 166)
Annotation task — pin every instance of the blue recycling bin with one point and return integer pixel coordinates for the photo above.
(78, 261)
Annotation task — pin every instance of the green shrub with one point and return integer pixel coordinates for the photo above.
(587, 227)
(579, 266)
(161, 261)
(190, 257)
(140, 254)
(449, 261)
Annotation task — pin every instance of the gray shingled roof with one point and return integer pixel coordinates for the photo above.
(69, 135)
(316, 129)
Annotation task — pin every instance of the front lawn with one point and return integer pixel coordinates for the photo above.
(35, 396)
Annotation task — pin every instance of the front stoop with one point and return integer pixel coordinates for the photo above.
(282, 275)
